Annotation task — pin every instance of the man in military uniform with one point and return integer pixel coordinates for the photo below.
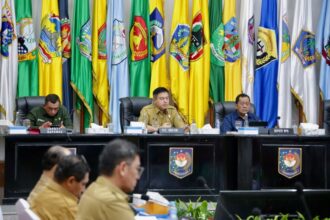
(160, 113)
(52, 113)
(106, 198)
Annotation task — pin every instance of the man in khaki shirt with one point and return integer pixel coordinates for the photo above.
(49, 164)
(160, 113)
(59, 199)
(119, 165)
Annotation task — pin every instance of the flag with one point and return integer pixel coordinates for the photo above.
(303, 75)
(217, 80)
(50, 50)
(265, 81)
(284, 69)
(99, 59)
(199, 56)
(28, 81)
(179, 56)
(117, 60)
(323, 47)
(81, 66)
(247, 46)
(66, 54)
(157, 43)
(233, 71)
(8, 51)
(139, 42)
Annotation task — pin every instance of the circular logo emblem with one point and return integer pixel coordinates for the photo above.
(179, 47)
(217, 55)
(26, 41)
(118, 42)
(231, 45)
(305, 48)
(138, 39)
(251, 31)
(197, 38)
(84, 40)
(157, 35)
(266, 47)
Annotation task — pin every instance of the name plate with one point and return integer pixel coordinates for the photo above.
(53, 130)
(281, 131)
(171, 131)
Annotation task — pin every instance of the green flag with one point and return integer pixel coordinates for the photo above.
(81, 66)
(139, 56)
(27, 82)
(217, 80)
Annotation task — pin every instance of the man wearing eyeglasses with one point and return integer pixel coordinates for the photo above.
(106, 198)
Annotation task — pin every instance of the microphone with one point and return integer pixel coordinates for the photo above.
(300, 193)
(202, 182)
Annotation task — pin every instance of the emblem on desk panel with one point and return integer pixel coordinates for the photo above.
(289, 162)
(181, 161)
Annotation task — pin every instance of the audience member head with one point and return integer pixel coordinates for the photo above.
(243, 104)
(52, 157)
(120, 161)
(72, 173)
(52, 104)
(161, 98)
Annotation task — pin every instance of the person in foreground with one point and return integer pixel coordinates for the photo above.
(49, 164)
(160, 113)
(106, 198)
(236, 118)
(59, 199)
(52, 113)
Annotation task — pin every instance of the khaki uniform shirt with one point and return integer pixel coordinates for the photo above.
(55, 203)
(103, 200)
(39, 187)
(38, 116)
(153, 116)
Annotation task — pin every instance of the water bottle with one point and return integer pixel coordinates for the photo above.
(18, 119)
(217, 123)
(246, 121)
(193, 128)
(172, 212)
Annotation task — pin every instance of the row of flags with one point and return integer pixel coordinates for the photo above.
(209, 57)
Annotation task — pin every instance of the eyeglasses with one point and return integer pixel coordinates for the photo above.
(140, 171)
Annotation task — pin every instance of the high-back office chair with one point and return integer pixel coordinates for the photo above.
(25, 104)
(221, 109)
(24, 212)
(326, 116)
(130, 108)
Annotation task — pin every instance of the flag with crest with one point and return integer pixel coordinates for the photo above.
(27, 81)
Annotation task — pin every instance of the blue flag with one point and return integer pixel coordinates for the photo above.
(265, 91)
(117, 61)
(323, 47)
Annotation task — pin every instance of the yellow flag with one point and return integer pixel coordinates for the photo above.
(50, 57)
(199, 63)
(99, 59)
(233, 71)
(158, 58)
(179, 56)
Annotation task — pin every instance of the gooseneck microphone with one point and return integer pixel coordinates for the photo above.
(202, 182)
(300, 193)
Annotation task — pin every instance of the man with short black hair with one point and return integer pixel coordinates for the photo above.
(237, 118)
(106, 198)
(59, 199)
(52, 113)
(49, 164)
(160, 113)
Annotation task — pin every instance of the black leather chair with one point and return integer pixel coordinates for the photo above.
(25, 104)
(326, 116)
(221, 109)
(130, 108)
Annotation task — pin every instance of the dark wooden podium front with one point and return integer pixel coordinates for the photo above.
(226, 162)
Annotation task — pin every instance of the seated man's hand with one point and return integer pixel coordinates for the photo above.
(62, 126)
(151, 129)
(166, 125)
(47, 124)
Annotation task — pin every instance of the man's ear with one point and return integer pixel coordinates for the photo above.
(71, 180)
(122, 168)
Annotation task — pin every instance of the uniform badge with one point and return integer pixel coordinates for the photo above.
(266, 47)
(84, 40)
(180, 162)
(304, 48)
(102, 47)
(232, 41)
(139, 39)
(217, 41)
(289, 162)
(197, 38)
(50, 38)
(118, 42)
(26, 41)
(179, 47)
(157, 35)
(66, 37)
(286, 41)
(7, 33)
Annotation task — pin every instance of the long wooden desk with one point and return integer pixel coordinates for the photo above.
(226, 162)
